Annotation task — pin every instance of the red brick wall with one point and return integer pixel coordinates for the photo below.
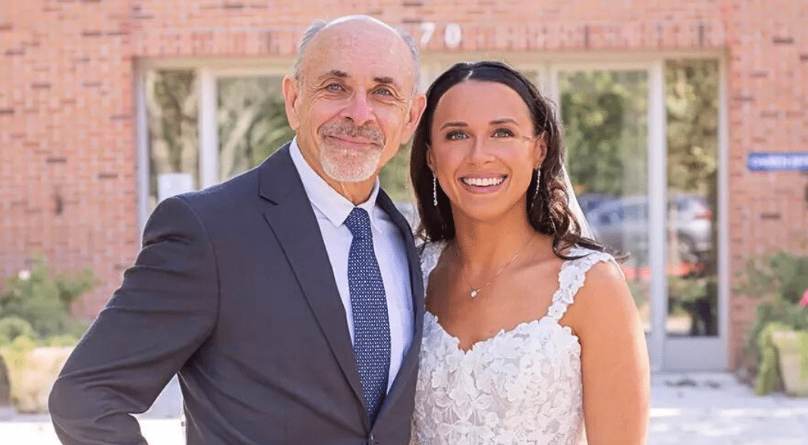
(68, 161)
(67, 166)
(768, 111)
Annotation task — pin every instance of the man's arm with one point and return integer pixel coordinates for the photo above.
(164, 310)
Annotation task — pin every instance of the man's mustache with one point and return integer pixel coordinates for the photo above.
(371, 134)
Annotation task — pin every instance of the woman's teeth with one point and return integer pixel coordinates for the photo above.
(483, 182)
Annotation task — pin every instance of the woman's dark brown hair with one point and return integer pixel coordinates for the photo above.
(548, 210)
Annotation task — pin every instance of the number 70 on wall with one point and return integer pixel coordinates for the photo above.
(452, 34)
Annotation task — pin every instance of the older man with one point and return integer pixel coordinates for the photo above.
(288, 299)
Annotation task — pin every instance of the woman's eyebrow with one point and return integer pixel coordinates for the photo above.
(453, 124)
(506, 120)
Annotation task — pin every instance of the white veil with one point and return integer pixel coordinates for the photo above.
(575, 208)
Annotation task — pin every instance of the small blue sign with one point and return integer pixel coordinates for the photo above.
(768, 162)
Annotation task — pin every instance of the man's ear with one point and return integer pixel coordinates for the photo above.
(414, 116)
(291, 94)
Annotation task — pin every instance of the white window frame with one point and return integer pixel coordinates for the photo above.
(667, 353)
(208, 73)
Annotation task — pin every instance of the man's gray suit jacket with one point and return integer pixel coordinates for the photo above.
(233, 290)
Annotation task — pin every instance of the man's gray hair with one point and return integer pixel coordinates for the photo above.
(319, 25)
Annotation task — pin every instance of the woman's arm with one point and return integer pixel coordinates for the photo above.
(614, 359)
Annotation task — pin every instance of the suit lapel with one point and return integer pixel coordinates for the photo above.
(292, 219)
(409, 365)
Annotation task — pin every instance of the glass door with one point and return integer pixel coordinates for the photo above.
(605, 120)
(694, 335)
(642, 154)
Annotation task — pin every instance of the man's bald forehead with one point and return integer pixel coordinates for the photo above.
(317, 27)
(360, 18)
(358, 28)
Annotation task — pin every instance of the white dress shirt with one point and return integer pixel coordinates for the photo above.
(331, 210)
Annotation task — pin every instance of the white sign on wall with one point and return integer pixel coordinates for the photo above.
(767, 162)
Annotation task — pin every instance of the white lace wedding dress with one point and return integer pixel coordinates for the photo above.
(521, 386)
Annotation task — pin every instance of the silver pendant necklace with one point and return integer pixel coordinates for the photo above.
(475, 291)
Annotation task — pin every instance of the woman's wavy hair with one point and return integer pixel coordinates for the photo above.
(548, 210)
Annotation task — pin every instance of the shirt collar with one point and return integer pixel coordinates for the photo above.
(328, 201)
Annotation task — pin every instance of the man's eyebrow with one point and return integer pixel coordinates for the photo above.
(333, 73)
(385, 80)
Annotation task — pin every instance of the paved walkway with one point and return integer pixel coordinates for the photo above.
(687, 409)
(713, 409)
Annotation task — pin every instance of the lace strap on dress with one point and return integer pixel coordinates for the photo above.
(571, 278)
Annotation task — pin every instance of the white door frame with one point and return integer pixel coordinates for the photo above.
(670, 353)
(656, 186)
(712, 353)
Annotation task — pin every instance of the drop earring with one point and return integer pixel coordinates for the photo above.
(434, 190)
(538, 178)
(536, 193)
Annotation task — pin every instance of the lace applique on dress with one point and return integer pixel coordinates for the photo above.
(521, 386)
(430, 254)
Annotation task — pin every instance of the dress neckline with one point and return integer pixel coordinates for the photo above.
(521, 326)
(554, 302)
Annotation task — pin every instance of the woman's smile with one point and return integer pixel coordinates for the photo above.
(483, 183)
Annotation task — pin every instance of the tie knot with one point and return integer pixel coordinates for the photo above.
(358, 223)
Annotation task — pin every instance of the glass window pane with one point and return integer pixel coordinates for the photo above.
(692, 127)
(604, 114)
(171, 108)
(252, 122)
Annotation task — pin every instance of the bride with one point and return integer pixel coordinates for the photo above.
(531, 335)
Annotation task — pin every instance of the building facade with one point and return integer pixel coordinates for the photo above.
(669, 108)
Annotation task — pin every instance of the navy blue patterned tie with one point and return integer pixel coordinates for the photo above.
(369, 307)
